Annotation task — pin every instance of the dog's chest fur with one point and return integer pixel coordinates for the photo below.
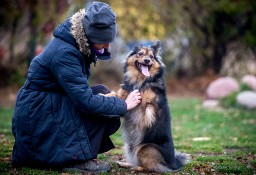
(141, 118)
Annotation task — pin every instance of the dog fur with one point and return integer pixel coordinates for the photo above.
(147, 127)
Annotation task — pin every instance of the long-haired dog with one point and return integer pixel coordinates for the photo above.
(147, 127)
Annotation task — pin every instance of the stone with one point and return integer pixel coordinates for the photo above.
(222, 87)
(211, 104)
(249, 80)
(247, 99)
(198, 139)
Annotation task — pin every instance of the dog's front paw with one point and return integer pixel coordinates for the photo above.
(128, 165)
(124, 164)
(138, 168)
(111, 94)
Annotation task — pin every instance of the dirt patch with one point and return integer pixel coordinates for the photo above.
(8, 96)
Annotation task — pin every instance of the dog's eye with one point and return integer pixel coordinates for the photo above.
(151, 56)
(140, 53)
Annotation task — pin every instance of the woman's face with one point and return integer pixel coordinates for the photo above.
(101, 46)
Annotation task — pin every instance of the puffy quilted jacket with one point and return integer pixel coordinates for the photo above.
(47, 120)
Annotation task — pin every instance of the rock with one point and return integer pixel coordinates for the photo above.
(249, 80)
(222, 87)
(197, 139)
(210, 103)
(247, 99)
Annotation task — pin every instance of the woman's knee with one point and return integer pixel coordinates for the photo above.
(112, 126)
(100, 88)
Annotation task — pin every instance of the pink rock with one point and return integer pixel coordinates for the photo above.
(247, 99)
(250, 80)
(222, 87)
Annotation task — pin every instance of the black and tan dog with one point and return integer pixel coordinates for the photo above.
(147, 127)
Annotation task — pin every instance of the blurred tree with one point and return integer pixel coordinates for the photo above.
(213, 25)
(239, 61)
(195, 33)
(23, 24)
(201, 29)
(138, 20)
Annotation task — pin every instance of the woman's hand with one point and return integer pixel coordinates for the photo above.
(133, 99)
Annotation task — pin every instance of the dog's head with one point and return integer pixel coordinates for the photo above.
(144, 61)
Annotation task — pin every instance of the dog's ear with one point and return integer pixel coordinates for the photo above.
(157, 49)
(135, 50)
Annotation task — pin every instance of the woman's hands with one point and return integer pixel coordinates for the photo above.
(133, 99)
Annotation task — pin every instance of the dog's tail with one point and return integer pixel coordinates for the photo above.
(181, 159)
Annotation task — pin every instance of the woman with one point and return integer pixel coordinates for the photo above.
(59, 121)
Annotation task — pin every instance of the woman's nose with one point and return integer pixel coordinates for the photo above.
(106, 46)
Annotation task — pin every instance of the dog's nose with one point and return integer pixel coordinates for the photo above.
(146, 61)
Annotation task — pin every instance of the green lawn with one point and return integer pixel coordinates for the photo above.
(229, 146)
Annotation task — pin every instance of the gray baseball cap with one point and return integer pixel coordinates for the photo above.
(100, 23)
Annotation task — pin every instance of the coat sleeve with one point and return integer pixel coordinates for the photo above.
(67, 69)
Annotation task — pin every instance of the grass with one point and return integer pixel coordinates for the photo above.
(230, 147)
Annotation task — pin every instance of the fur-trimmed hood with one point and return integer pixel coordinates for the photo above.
(72, 32)
(77, 31)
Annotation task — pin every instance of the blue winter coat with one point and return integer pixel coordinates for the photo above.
(47, 120)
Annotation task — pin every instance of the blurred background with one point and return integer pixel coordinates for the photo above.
(201, 39)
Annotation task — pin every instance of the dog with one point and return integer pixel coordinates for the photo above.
(147, 128)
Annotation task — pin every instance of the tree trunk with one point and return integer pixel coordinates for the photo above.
(33, 34)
